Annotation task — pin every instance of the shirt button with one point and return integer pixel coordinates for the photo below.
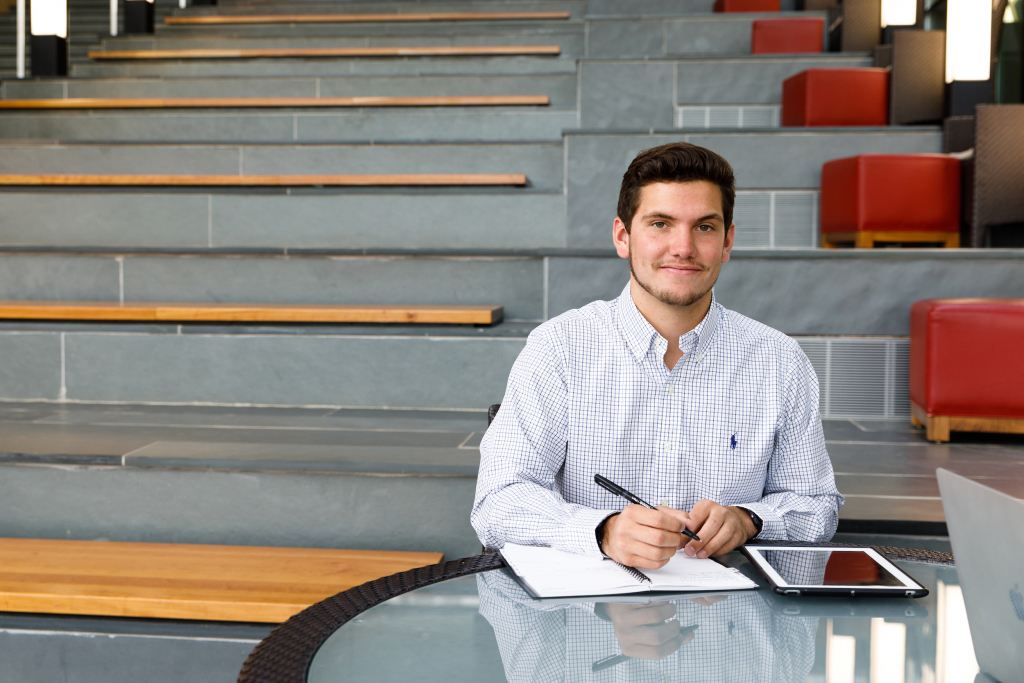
(666, 445)
(664, 503)
(670, 388)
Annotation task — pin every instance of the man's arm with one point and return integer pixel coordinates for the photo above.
(517, 498)
(801, 501)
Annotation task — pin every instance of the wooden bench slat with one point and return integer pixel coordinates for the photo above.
(360, 18)
(427, 51)
(343, 180)
(176, 581)
(278, 313)
(259, 102)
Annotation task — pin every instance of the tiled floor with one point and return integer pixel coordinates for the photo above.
(886, 470)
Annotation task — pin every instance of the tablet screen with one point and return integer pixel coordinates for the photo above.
(813, 567)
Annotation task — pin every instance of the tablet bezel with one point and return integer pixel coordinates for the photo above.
(911, 588)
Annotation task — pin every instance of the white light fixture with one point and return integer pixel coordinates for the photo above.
(968, 40)
(49, 18)
(899, 13)
(113, 17)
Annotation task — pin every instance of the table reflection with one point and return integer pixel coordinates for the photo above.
(725, 637)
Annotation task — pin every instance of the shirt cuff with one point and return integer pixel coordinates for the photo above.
(773, 529)
(586, 524)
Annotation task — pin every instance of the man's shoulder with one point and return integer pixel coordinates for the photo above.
(747, 331)
(594, 319)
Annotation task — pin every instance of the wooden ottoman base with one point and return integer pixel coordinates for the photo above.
(938, 427)
(865, 239)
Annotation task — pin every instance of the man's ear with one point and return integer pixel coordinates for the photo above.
(621, 238)
(730, 236)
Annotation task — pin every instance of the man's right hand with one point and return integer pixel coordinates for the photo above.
(644, 538)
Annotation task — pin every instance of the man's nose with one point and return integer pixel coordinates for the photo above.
(681, 243)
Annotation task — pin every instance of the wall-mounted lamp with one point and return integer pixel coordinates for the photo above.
(138, 16)
(899, 13)
(48, 20)
(968, 55)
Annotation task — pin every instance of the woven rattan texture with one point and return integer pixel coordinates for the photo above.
(998, 171)
(285, 654)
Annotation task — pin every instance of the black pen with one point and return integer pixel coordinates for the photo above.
(612, 487)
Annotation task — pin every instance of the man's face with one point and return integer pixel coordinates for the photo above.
(677, 242)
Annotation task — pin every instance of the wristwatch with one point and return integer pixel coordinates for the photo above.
(755, 518)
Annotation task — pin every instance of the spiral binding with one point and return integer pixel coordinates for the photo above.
(635, 573)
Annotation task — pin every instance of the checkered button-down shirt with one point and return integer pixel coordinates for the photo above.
(736, 421)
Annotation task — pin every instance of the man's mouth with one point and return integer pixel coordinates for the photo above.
(681, 268)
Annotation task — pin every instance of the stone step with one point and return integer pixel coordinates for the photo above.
(644, 88)
(269, 276)
(399, 479)
(322, 30)
(783, 159)
(292, 125)
(410, 66)
(560, 88)
(568, 38)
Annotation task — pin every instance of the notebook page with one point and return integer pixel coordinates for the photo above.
(686, 572)
(554, 573)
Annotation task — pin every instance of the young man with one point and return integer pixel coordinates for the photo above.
(665, 392)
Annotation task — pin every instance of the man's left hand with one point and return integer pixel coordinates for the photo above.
(721, 529)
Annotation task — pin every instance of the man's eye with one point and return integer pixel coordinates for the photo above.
(704, 227)
(659, 224)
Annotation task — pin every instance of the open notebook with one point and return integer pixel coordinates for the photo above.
(550, 573)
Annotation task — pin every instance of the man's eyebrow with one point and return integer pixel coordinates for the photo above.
(658, 214)
(710, 217)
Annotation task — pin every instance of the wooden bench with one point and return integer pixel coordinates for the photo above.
(174, 581)
(351, 180)
(272, 102)
(218, 19)
(255, 313)
(256, 53)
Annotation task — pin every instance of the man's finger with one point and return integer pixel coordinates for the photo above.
(644, 615)
(657, 519)
(707, 531)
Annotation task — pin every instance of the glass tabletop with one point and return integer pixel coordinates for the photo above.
(486, 628)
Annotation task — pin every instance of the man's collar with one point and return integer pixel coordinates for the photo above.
(639, 333)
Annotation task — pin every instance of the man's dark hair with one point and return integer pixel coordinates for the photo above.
(676, 162)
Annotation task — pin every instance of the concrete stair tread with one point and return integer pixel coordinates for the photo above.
(264, 53)
(275, 102)
(275, 18)
(363, 180)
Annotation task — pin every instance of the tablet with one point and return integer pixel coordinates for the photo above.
(813, 570)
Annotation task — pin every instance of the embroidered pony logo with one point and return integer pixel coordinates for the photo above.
(733, 442)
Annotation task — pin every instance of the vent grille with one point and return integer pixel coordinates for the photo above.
(729, 116)
(861, 377)
(776, 219)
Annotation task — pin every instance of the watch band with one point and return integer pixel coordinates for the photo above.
(755, 518)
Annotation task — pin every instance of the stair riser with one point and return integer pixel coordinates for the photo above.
(644, 89)
(515, 283)
(410, 513)
(342, 125)
(171, 220)
(560, 89)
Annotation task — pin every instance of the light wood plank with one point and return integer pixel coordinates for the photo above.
(279, 313)
(866, 239)
(363, 18)
(368, 180)
(271, 102)
(938, 427)
(254, 53)
(174, 581)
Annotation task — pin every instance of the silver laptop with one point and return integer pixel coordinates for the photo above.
(986, 528)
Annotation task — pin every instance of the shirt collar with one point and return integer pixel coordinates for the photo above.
(640, 334)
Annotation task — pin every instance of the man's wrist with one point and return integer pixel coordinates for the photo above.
(756, 523)
(599, 532)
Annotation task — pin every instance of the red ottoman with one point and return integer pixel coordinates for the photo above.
(746, 5)
(786, 36)
(891, 198)
(836, 97)
(966, 372)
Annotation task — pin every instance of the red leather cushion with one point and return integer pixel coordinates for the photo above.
(836, 97)
(746, 5)
(786, 36)
(965, 357)
(891, 192)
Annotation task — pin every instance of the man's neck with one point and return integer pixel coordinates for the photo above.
(671, 322)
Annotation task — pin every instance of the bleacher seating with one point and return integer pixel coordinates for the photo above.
(891, 198)
(394, 17)
(965, 369)
(747, 5)
(178, 581)
(258, 313)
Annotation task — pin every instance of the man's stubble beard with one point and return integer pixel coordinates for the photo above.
(666, 297)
